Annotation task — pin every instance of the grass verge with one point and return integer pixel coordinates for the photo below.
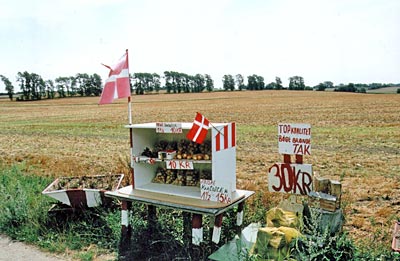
(86, 235)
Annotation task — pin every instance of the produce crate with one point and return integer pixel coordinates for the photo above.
(83, 191)
(323, 201)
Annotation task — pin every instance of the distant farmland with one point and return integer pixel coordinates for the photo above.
(392, 89)
(355, 139)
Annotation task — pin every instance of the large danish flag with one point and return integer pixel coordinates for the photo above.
(117, 85)
(199, 130)
(226, 137)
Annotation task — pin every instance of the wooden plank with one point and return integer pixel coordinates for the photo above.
(181, 200)
(184, 203)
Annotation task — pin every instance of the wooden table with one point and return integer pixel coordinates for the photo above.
(194, 206)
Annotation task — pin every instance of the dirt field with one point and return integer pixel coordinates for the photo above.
(355, 139)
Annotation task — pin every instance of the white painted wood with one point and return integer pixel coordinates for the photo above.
(239, 218)
(222, 164)
(197, 236)
(60, 195)
(93, 197)
(124, 218)
(216, 236)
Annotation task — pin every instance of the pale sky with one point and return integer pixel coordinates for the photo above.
(321, 40)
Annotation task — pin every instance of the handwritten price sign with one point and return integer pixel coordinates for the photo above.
(211, 191)
(168, 127)
(179, 164)
(290, 178)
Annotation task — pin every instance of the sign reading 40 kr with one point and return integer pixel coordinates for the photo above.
(290, 178)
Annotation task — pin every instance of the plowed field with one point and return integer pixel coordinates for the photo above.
(355, 139)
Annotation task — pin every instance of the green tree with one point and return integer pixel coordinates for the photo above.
(146, 82)
(66, 86)
(139, 83)
(278, 84)
(156, 82)
(324, 85)
(22, 84)
(8, 86)
(199, 83)
(270, 86)
(296, 83)
(50, 89)
(32, 85)
(346, 88)
(240, 82)
(168, 81)
(228, 82)
(185, 82)
(260, 82)
(96, 84)
(209, 83)
(252, 82)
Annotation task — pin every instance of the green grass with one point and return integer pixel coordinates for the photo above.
(24, 216)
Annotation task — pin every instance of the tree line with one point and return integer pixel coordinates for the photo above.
(34, 87)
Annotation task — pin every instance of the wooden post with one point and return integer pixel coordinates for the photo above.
(216, 236)
(299, 159)
(151, 217)
(186, 229)
(286, 158)
(197, 229)
(239, 217)
(125, 226)
(125, 241)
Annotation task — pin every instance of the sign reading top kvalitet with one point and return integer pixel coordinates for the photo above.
(294, 139)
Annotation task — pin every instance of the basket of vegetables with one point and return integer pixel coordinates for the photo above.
(83, 191)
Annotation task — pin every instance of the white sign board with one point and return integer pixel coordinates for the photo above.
(168, 127)
(290, 178)
(294, 139)
(211, 191)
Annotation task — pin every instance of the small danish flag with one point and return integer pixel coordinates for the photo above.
(199, 130)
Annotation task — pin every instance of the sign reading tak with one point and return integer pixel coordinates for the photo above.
(294, 139)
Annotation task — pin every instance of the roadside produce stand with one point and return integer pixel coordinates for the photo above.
(171, 171)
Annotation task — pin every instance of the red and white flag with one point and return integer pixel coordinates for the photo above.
(199, 130)
(117, 85)
(226, 137)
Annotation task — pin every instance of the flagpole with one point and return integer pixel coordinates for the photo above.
(129, 110)
(129, 98)
(130, 123)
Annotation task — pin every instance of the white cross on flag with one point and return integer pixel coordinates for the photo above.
(117, 85)
(199, 130)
